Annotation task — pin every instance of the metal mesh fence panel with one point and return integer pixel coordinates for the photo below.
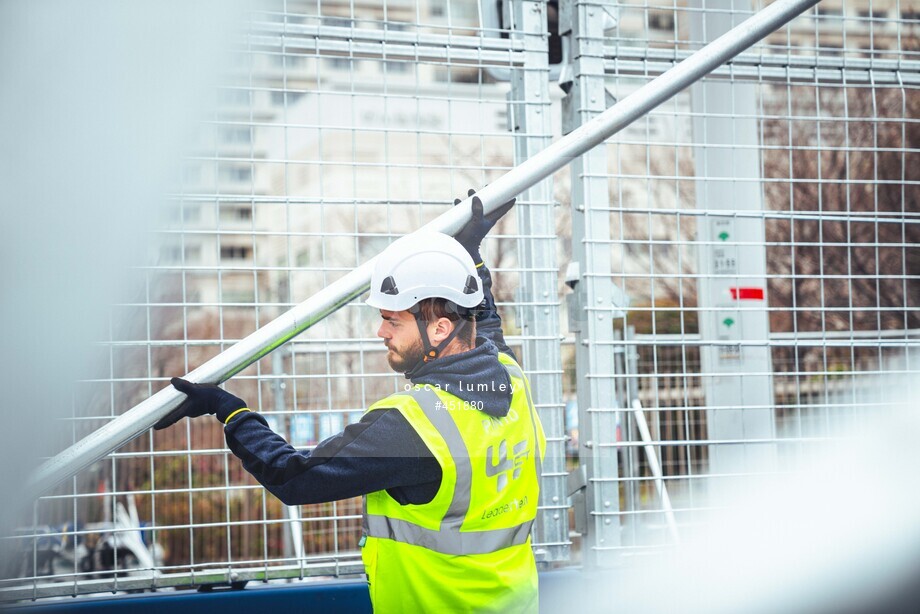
(762, 239)
(758, 244)
(339, 128)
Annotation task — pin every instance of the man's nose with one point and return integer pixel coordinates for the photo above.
(380, 332)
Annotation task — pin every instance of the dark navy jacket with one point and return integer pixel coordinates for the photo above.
(381, 451)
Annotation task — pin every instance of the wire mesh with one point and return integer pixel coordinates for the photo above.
(343, 126)
(340, 127)
(779, 191)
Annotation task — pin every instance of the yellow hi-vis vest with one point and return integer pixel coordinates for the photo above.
(468, 549)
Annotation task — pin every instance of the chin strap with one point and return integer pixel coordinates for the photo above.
(431, 352)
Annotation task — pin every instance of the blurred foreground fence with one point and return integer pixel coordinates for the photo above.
(740, 261)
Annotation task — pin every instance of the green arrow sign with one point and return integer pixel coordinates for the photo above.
(723, 235)
(729, 322)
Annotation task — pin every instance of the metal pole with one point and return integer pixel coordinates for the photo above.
(640, 102)
(233, 360)
(655, 467)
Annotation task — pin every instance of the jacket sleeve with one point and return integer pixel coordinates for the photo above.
(488, 322)
(380, 451)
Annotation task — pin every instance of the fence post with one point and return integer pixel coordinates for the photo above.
(538, 295)
(582, 23)
(734, 324)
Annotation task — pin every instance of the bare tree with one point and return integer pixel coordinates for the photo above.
(842, 257)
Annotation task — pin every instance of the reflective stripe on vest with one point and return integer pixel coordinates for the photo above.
(449, 539)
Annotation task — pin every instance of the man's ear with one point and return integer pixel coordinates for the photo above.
(439, 330)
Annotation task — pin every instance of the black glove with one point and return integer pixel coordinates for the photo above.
(202, 399)
(471, 235)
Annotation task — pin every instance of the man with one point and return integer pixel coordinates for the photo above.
(450, 467)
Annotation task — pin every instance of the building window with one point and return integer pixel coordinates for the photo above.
(661, 20)
(289, 60)
(501, 118)
(172, 254)
(235, 252)
(342, 64)
(184, 213)
(824, 11)
(281, 98)
(237, 174)
(235, 213)
(338, 22)
(396, 67)
(237, 135)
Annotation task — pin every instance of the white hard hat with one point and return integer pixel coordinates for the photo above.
(424, 264)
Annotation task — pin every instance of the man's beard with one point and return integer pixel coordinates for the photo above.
(403, 361)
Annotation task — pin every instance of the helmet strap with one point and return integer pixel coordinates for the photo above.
(430, 351)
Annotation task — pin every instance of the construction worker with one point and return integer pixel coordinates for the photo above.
(450, 467)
